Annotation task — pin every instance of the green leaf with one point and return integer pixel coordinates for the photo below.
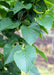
(53, 25)
(35, 26)
(18, 6)
(29, 34)
(14, 25)
(7, 49)
(10, 53)
(7, 23)
(46, 21)
(34, 71)
(4, 3)
(3, 13)
(41, 53)
(10, 34)
(44, 29)
(49, 3)
(42, 33)
(31, 15)
(9, 69)
(24, 59)
(42, 5)
(12, 69)
(37, 11)
(50, 12)
(52, 1)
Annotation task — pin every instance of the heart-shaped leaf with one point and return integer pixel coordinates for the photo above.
(25, 58)
(29, 34)
(45, 21)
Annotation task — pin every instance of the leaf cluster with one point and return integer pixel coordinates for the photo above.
(21, 23)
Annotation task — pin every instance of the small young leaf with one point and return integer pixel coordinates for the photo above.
(44, 29)
(37, 11)
(53, 25)
(41, 53)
